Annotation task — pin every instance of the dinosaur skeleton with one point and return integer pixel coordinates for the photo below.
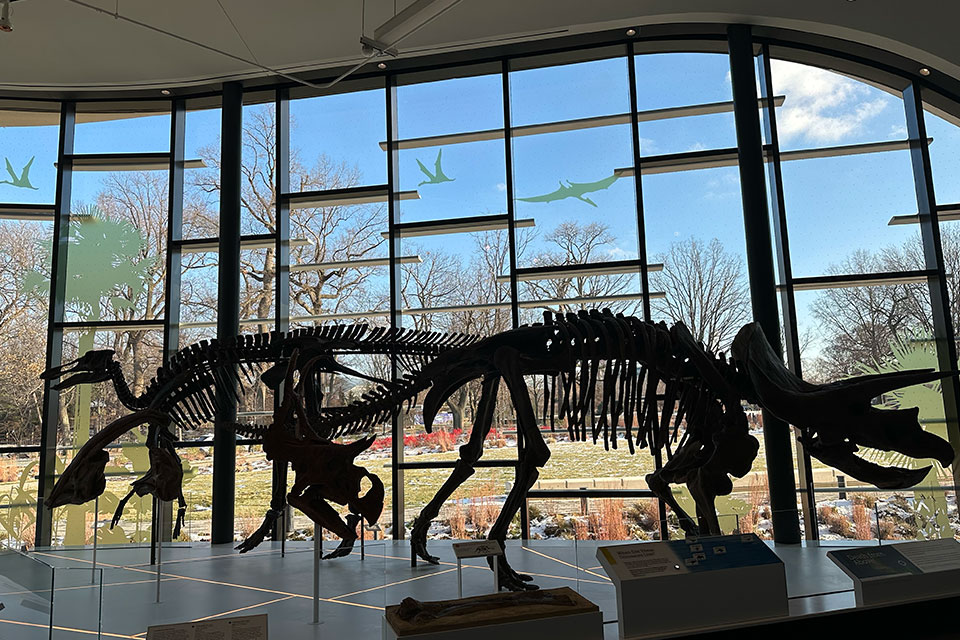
(671, 395)
(184, 394)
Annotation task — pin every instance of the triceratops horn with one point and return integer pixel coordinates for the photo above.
(877, 475)
(869, 387)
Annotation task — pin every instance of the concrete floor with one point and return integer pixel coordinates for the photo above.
(203, 581)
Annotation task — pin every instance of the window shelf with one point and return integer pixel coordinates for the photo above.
(126, 162)
(32, 212)
(212, 245)
(344, 197)
(862, 280)
(354, 264)
(580, 270)
(456, 225)
(693, 160)
(945, 213)
(113, 325)
(576, 124)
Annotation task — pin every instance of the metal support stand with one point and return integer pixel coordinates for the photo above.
(283, 528)
(496, 576)
(96, 516)
(159, 544)
(317, 553)
(362, 536)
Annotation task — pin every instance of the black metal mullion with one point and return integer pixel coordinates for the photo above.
(282, 262)
(943, 329)
(171, 301)
(763, 293)
(642, 237)
(512, 249)
(393, 242)
(54, 355)
(787, 297)
(228, 308)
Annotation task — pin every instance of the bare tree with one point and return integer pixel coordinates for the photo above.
(575, 243)
(859, 324)
(704, 287)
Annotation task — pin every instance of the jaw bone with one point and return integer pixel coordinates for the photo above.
(836, 418)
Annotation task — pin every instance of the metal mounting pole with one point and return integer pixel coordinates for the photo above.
(159, 545)
(96, 516)
(317, 553)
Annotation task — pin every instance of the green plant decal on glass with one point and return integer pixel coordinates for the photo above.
(97, 246)
(575, 190)
(18, 507)
(23, 180)
(437, 176)
(930, 502)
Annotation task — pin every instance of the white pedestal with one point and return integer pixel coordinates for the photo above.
(697, 584)
(904, 572)
(582, 626)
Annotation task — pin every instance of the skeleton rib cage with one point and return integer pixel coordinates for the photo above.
(600, 371)
(186, 388)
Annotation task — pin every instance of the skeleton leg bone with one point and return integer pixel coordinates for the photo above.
(326, 517)
(536, 454)
(469, 454)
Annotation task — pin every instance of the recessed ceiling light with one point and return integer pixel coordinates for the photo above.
(165, 92)
(382, 65)
(631, 32)
(924, 71)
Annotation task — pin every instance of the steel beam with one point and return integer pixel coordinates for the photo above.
(228, 308)
(763, 292)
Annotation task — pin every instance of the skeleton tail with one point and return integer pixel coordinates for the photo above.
(381, 404)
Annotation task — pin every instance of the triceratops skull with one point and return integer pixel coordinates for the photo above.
(835, 419)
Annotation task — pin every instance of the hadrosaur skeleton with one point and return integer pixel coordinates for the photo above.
(670, 393)
(184, 394)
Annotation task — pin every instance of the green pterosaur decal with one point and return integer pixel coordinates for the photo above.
(437, 176)
(575, 190)
(23, 180)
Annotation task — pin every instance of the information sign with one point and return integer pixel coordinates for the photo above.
(238, 628)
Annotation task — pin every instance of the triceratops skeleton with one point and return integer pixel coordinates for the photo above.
(671, 394)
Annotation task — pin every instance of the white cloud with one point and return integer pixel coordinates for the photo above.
(898, 131)
(697, 146)
(822, 107)
(648, 146)
(501, 186)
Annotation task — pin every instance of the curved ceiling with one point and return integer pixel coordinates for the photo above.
(66, 45)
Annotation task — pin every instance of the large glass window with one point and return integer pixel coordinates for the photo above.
(590, 199)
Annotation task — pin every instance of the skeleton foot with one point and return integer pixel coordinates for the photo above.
(181, 514)
(260, 534)
(346, 545)
(509, 579)
(418, 540)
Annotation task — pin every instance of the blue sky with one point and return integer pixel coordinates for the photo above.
(835, 205)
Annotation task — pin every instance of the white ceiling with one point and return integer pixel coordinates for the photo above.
(57, 44)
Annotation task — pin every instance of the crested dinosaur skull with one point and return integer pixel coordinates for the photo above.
(835, 419)
(93, 366)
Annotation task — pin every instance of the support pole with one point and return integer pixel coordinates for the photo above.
(317, 555)
(58, 282)
(228, 308)
(96, 517)
(159, 546)
(943, 329)
(763, 292)
(393, 249)
(282, 262)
